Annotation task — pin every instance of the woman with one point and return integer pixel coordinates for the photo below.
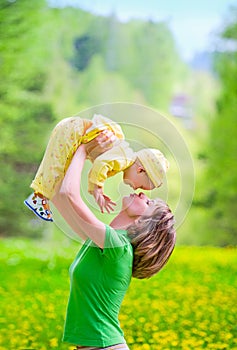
(138, 243)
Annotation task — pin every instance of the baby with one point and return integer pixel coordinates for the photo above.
(144, 169)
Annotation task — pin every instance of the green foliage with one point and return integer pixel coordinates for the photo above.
(221, 176)
(190, 304)
(143, 53)
(85, 47)
(152, 62)
(25, 113)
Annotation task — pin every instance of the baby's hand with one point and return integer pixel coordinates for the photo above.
(102, 200)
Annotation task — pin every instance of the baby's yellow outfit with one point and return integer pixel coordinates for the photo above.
(66, 137)
(70, 133)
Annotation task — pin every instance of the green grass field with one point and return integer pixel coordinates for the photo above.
(190, 304)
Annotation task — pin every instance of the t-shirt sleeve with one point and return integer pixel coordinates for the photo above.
(116, 244)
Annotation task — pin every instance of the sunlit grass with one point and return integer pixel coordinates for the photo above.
(191, 304)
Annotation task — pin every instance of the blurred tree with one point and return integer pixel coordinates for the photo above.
(144, 53)
(25, 113)
(155, 63)
(100, 37)
(221, 178)
(85, 47)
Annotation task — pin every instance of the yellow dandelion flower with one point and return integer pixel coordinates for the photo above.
(53, 342)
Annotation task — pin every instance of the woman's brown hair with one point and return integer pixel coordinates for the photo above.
(153, 240)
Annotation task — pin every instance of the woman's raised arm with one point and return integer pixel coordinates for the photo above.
(71, 206)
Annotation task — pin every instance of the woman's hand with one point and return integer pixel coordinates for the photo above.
(102, 143)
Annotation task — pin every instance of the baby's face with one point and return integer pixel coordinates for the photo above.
(136, 177)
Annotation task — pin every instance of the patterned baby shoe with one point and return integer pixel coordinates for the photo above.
(40, 206)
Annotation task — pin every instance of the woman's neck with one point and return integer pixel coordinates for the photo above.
(122, 221)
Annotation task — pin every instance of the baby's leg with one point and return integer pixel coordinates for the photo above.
(64, 141)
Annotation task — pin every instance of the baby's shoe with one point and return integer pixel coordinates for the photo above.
(39, 205)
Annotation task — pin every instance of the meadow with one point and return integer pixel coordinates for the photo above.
(190, 304)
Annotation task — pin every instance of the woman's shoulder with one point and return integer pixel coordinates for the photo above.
(120, 233)
(117, 241)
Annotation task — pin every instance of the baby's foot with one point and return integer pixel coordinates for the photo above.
(40, 206)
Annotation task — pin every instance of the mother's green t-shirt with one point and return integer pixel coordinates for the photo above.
(99, 280)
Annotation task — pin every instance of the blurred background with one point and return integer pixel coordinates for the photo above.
(59, 58)
(167, 71)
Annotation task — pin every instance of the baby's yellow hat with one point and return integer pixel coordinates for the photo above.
(154, 163)
(102, 123)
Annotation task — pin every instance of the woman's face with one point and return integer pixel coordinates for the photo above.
(138, 204)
